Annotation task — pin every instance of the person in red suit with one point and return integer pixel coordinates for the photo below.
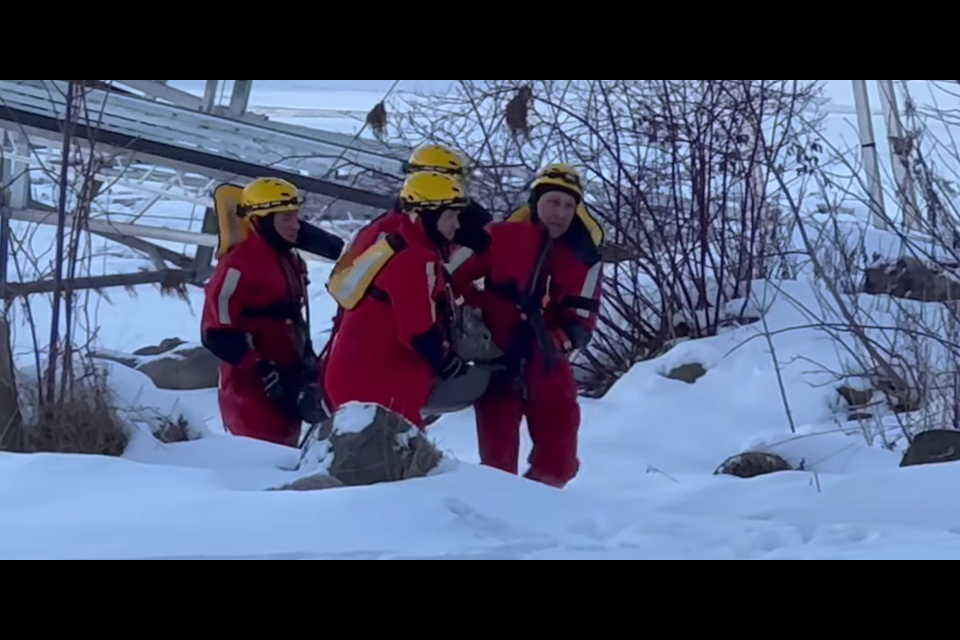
(541, 301)
(254, 322)
(472, 219)
(390, 344)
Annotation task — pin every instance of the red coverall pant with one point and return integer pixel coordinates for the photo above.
(553, 420)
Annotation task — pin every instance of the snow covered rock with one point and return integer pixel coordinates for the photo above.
(370, 444)
(688, 373)
(173, 364)
(857, 402)
(752, 464)
(913, 279)
(166, 345)
(315, 482)
(185, 368)
(172, 430)
(932, 447)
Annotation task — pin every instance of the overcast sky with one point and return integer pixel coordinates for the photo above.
(838, 91)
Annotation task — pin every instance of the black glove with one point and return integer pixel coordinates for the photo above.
(453, 366)
(275, 388)
(309, 405)
(270, 376)
(475, 215)
(471, 233)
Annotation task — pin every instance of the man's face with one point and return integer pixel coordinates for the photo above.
(287, 226)
(556, 210)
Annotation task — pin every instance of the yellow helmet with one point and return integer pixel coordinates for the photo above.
(565, 176)
(429, 190)
(264, 196)
(434, 157)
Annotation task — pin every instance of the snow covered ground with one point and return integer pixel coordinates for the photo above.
(646, 490)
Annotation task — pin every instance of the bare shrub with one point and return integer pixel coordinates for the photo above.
(71, 410)
(165, 428)
(76, 185)
(898, 339)
(677, 171)
(84, 421)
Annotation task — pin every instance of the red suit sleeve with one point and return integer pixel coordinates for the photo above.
(466, 266)
(580, 305)
(410, 281)
(222, 325)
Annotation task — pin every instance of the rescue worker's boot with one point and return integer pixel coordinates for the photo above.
(542, 478)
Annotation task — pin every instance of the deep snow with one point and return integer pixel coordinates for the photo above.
(646, 490)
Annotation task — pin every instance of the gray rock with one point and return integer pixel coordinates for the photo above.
(902, 395)
(119, 358)
(855, 398)
(387, 449)
(932, 447)
(167, 344)
(186, 368)
(316, 482)
(860, 403)
(752, 464)
(170, 431)
(913, 279)
(174, 365)
(688, 373)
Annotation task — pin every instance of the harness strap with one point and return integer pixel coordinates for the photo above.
(378, 294)
(276, 311)
(511, 293)
(579, 302)
(291, 310)
(396, 242)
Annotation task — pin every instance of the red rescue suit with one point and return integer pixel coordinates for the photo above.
(259, 291)
(381, 226)
(548, 400)
(473, 219)
(373, 357)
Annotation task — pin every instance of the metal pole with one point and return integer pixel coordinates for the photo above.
(899, 155)
(4, 231)
(14, 194)
(868, 146)
(132, 230)
(210, 96)
(240, 98)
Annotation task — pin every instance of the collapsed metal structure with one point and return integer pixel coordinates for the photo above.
(150, 144)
